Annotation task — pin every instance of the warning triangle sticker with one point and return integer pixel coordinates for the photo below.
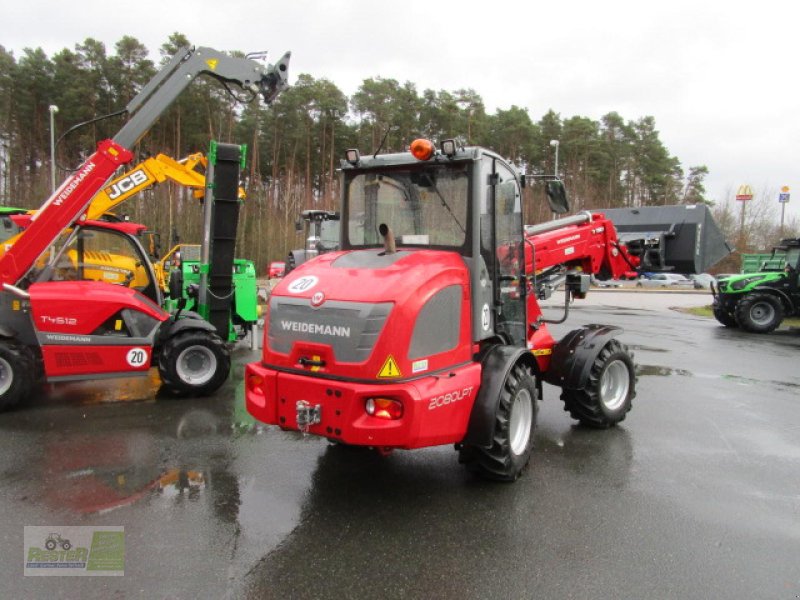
(389, 369)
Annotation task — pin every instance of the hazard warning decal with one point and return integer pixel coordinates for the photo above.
(389, 369)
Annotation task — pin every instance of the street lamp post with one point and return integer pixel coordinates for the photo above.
(555, 143)
(53, 111)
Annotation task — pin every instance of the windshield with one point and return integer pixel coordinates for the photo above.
(422, 206)
(792, 256)
(329, 234)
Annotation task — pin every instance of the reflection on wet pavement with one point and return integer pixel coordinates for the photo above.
(660, 371)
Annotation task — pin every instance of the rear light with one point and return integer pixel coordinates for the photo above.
(422, 149)
(384, 408)
(254, 383)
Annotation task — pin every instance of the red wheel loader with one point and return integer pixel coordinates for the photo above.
(425, 328)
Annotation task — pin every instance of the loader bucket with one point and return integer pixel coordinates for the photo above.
(683, 238)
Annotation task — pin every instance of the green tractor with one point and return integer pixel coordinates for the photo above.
(758, 302)
(182, 267)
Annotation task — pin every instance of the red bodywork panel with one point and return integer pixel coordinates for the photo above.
(65, 206)
(133, 229)
(408, 284)
(436, 410)
(67, 315)
(593, 247)
(436, 407)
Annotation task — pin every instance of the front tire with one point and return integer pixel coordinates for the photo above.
(195, 362)
(724, 317)
(610, 390)
(515, 422)
(16, 375)
(759, 313)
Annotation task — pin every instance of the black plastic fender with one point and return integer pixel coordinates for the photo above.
(788, 305)
(574, 354)
(188, 320)
(495, 367)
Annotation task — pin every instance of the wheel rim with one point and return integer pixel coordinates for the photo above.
(762, 313)
(519, 429)
(196, 365)
(614, 385)
(6, 376)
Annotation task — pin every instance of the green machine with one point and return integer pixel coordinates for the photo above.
(206, 278)
(758, 302)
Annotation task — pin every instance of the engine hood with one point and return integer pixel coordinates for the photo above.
(349, 314)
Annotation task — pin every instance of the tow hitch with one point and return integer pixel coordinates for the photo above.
(307, 415)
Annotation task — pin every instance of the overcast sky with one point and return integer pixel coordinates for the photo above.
(720, 78)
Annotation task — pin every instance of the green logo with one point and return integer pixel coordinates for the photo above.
(107, 552)
(74, 550)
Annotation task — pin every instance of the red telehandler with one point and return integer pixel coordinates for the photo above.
(425, 329)
(58, 329)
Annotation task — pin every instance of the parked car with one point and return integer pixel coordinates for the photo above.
(665, 280)
(606, 283)
(276, 269)
(702, 281)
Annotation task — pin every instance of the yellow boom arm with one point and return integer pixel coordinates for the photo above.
(147, 173)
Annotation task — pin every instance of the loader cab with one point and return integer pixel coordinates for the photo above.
(99, 251)
(467, 201)
(321, 231)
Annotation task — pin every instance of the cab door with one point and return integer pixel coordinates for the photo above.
(502, 249)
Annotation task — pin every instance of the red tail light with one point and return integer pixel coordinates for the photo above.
(254, 384)
(384, 408)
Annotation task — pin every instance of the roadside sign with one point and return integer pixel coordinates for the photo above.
(783, 197)
(745, 192)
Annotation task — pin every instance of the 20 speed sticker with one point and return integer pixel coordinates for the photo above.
(137, 357)
(305, 283)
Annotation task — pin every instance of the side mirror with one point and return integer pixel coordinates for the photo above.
(557, 197)
(298, 225)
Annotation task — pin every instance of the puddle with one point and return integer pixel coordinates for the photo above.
(661, 371)
(646, 348)
(788, 385)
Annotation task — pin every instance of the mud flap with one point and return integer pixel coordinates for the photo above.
(574, 354)
(495, 367)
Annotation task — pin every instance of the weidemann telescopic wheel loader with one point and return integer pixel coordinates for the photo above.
(425, 329)
(76, 329)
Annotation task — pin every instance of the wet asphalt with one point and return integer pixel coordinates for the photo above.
(695, 495)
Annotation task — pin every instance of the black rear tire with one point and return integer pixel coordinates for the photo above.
(513, 433)
(610, 390)
(724, 317)
(195, 362)
(759, 313)
(16, 374)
